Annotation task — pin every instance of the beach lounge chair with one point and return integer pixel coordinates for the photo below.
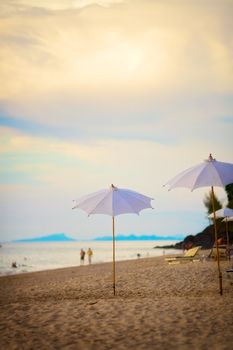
(222, 249)
(190, 255)
(230, 275)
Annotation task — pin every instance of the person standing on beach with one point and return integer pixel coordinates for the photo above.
(89, 253)
(82, 256)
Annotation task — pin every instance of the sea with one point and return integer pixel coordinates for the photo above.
(37, 256)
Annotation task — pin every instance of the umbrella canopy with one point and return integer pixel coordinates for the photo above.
(222, 213)
(113, 201)
(208, 173)
(225, 213)
(228, 218)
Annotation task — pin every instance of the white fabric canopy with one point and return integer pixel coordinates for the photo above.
(228, 218)
(113, 201)
(208, 173)
(222, 213)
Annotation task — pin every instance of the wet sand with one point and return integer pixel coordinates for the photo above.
(157, 306)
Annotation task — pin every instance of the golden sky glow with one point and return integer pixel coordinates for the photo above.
(126, 46)
(111, 90)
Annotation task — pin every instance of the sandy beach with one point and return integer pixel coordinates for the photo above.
(157, 306)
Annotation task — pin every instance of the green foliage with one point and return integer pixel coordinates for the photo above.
(209, 205)
(217, 204)
(229, 191)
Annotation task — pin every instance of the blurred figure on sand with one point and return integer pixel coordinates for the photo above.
(82, 256)
(89, 253)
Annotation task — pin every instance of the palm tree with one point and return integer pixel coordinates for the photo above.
(209, 205)
(229, 191)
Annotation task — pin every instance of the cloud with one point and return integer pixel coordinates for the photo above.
(101, 92)
(100, 51)
(95, 73)
(127, 163)
(46, 6)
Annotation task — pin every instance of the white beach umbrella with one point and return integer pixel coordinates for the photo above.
(229, 218)
(113, 201)
(225, 213)
(222, 213)
(209, 173)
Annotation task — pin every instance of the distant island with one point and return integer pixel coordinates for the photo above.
(62, 237)
(57, 237)
(139, 238)
(204, 238)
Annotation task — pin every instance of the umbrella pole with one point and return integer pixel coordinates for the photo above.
(113, 256)
(228, 250)
(216, 242)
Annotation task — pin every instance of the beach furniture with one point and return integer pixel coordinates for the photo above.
(222, 250)
(230, 251)
(211, 173)
(190, 255)
(230, 275)
(227, 214)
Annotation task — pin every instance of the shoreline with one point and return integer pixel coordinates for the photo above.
(23, 268)
(74, 307)
(82, 266)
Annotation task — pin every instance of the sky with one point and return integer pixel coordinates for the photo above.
(111, 91)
